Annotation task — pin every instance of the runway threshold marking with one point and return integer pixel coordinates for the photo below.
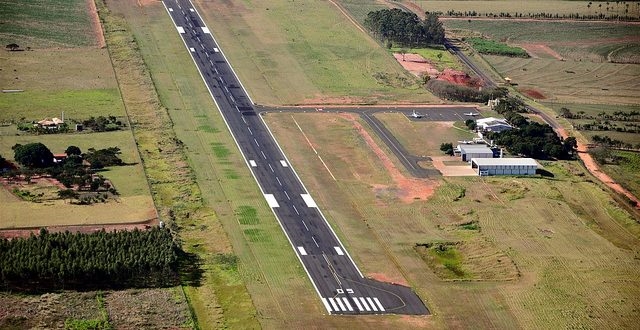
(364, 303)
(346, 302)
(378, 303)
(372, 305)
(308, 200)
(253, 163)
(338, 250)
(335, 307)
(302, 250)
(339, 301)
(271, 200)
(355, 300)
(326, 304)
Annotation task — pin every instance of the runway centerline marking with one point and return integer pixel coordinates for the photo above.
(271, 167)
(258, 144)
(285, 192)
(295, 209)
(314, 240)
(278, 179)
(263, 155)
(249, 128)
(305, 225)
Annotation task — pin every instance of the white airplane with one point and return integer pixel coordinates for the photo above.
(414, 114)
(465, 142)
(472, 114)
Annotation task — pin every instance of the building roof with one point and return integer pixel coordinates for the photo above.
(474, 148)
(491, 120)
(505, 161)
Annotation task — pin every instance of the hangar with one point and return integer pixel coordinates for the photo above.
(471, 151)
(504, 166)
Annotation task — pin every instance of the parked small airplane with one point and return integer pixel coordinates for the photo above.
(414, 114)
(465, 142)
(472, 114)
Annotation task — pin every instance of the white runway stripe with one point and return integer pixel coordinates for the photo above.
(364, 303)
(326, 304)
(302, 250)
(346, 302)
(335, 307)
(342, 308)
(379, 304)
(372, 305)
(355, 300)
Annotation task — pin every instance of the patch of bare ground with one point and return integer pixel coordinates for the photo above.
(46, 311)
(147, 309)
(385, 278)
(95, 23)
(533, 93)
(416, 65)
(406, 189)
(540, 50)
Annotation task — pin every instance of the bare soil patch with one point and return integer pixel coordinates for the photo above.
(451, 170)
(387, 279)
(540, 50)
(407, 189)
(95, 23)
(533, 93)
(419, 66)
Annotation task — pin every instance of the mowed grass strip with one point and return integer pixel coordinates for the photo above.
(524, 7)
(63, 23)
(284, 58)
(565, 250)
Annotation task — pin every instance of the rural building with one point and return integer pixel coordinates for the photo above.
(492, 124)
(504, 166)
(50, 123)
(471, 151)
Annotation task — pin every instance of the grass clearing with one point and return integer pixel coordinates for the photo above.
(565, 250)
(416, 135)
(488, 46)
(282, 59)
(64, 23)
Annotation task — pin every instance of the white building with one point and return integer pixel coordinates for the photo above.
(504, 166)
(471, 151)
(493, 124)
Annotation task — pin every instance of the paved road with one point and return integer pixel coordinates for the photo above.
(335, 277)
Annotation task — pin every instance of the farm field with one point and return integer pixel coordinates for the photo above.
(64, 24)
(558, 250)
(447, 60)
(282, 59)
(578, 41)
(627, 171)
(536, 6)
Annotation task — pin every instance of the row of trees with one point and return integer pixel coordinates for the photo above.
(632, 115)
(405, 28)
(65, 260)
(103, 124)
(453, 92)
(530, 139)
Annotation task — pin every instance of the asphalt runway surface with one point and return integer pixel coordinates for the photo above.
(337, 280)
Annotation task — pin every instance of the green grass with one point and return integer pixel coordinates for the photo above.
(487, 46)
(282, 59)
(627, 172)
(64, 23)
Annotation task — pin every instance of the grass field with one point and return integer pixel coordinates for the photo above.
(282, 59)
(64, 23)
(554, 241)
(536, 6)
(627, 171)
(416, 135)
(78, 81)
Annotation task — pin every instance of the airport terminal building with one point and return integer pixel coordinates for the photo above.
(504, 166)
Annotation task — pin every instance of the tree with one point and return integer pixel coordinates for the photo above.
(33, 155)
(439, 56)
(403, 52)
(447, 148)
(73, 150)
(12, 47)
(68, 194)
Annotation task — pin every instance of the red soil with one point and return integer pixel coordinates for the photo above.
(459, 78)
(533, 93)
(95, 22)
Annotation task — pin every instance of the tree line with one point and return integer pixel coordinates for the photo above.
(530, 139)
(101, 259)
(402, 28)
(453, 92)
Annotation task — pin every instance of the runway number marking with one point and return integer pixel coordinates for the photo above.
(308, 200)
(338, 250)
(302, 250)
(253, 163)
(271, 200)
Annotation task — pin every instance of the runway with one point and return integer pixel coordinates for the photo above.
(340, 285)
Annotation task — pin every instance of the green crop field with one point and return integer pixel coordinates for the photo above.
(283, 58)
(487, 46)
(45, 23)
(566, 241)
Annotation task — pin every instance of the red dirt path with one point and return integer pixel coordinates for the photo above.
(95, 23)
